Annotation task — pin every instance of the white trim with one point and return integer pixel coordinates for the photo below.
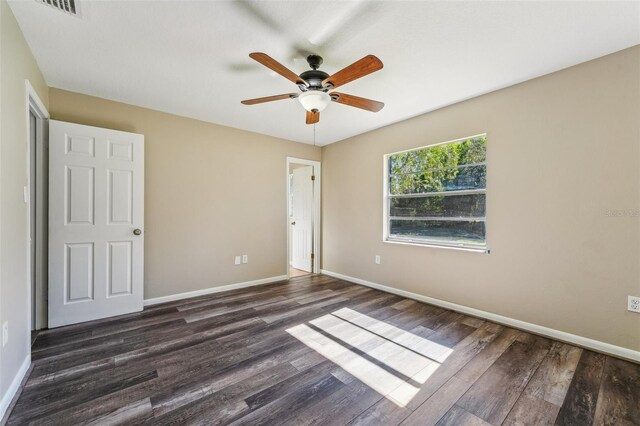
(596, 345)
(34, 100)
(7, 398)
(438, 194)
(438, 143)
(441, 219)
(444, 246)
(317, 211)
(385, 198)
(212, 290)
(35, 104)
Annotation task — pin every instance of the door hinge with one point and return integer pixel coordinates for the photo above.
(311, 256)
(313, 177)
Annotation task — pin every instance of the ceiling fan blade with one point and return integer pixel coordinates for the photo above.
(313, 117)
(270, 98)
(355, 101)
(276, 66)
(358, 69)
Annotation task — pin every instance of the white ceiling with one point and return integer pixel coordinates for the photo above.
(191, 57)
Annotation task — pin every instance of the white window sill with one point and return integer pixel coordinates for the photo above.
(442, 246)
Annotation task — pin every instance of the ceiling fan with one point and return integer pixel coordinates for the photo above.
(315, 84)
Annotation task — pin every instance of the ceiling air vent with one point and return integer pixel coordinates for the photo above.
(66, 6)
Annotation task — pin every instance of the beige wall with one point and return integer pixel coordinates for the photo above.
(211, 192)
(16, 65)
(562, 150)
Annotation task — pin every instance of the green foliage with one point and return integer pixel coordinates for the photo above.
(447, 167)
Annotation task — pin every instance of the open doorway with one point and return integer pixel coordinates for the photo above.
(36, 197)
(303, 217)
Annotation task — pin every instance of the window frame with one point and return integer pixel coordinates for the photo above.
(386, 197)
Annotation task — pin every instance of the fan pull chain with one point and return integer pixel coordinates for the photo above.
(314, 134)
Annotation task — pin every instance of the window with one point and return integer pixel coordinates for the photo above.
(436, 195)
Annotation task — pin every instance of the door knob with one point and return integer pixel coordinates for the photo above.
(293, 223)
(137, 232)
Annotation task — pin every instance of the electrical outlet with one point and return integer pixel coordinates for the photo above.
(245, 258)
(5, 333)
(377, 259)
(237, 260)
(633, 304)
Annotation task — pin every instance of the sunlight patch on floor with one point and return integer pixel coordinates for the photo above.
(397, 335)
(390, 360)
(399, 358)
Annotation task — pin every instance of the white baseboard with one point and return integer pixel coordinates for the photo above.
(584, 342)
(211, 290)
(15, 386)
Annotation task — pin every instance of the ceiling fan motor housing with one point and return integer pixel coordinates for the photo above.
(314, 76)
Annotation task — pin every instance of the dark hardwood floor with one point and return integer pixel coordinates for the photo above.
(316, 350)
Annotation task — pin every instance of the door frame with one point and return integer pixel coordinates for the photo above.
(317, 188)
(35, 105)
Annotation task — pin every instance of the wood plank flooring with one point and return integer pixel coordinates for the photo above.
(317, 350)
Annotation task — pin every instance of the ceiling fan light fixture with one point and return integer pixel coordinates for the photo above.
(314, 100)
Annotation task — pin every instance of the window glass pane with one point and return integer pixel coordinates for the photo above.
(440, 180)
(464, 152)
(468, 233)
(470, 205)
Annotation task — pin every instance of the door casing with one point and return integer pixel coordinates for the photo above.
(301, 217)
(35, 106)
(317, 188)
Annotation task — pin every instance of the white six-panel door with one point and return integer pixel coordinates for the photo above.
(302, 218)
(96, 223)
